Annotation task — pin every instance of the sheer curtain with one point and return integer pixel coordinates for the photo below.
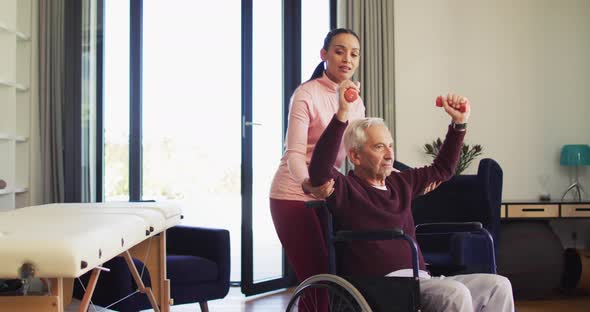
(51, 98)
(373, 22)
(89, 94)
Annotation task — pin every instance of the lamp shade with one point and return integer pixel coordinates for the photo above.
(575, 155)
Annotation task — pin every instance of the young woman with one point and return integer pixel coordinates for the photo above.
(313, 104)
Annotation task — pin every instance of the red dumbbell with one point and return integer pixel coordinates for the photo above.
(462, 109)
(350, 95)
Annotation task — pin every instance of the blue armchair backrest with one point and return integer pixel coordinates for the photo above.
(464, 198)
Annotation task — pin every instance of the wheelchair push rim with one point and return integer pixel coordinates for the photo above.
(342, 295)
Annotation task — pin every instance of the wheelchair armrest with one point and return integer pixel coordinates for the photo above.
(427, 229)
(341, 236)
(447, 227)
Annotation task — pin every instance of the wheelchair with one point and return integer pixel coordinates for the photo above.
(333, 293)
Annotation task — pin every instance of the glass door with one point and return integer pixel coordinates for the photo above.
(189, 109)
(275, 50)
(194, 104)
(263, 264)
(191, 106)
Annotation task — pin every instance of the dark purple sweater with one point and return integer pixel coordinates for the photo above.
(360, 206)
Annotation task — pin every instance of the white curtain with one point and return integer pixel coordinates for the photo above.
(373, 22)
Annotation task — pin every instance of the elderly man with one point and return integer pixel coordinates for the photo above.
(374, 196)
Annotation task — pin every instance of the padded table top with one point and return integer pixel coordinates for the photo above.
(67, 240)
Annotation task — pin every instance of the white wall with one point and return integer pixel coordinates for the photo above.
(524, 65)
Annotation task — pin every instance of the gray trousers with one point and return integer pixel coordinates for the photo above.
(467, 293)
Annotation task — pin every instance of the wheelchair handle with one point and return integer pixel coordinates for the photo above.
(444, 227)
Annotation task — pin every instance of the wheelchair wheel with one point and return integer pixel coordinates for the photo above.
(327, 292)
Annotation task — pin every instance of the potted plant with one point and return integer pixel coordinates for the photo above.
(468, 153)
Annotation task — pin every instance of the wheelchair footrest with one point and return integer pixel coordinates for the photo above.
(389, 294)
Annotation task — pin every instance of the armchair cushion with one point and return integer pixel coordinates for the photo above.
(185, 269)
(473, 251)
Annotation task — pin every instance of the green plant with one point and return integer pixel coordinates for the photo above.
(467, 153)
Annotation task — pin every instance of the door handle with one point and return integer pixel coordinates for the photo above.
(249, 124)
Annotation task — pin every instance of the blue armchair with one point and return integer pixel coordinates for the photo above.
(464, 198)
(198, 265)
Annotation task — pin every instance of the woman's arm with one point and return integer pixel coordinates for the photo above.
(327, 148)
(296, 139)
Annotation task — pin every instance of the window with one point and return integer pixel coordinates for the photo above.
(315, 24)
(116, 100)
(191, 110)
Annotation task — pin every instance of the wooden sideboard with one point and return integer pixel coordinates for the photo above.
(526, 233)
(544, 210)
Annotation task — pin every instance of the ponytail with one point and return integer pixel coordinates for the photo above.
(318, 72)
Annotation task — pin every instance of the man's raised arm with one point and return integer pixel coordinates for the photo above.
(326, 149)
(321, 166)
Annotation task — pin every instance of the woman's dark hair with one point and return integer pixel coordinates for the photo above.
(319, 70)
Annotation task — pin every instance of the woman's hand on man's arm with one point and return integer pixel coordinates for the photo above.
(320, 192)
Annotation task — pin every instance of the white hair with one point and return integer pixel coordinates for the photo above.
(355, 136)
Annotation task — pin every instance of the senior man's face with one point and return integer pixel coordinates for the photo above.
(376, 157)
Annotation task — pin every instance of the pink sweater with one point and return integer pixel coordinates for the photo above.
(312, 106)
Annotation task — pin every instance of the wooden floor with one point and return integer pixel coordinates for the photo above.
(278, 301)
(562, 304)
(235, 301)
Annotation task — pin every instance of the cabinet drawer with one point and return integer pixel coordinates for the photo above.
(575, 210)
(532, 211)
(502, 211)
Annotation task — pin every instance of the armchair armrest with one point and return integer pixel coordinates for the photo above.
(208, 243)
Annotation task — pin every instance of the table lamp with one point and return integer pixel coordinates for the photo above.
(575, 155)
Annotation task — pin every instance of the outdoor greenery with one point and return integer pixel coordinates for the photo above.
(172, 170)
